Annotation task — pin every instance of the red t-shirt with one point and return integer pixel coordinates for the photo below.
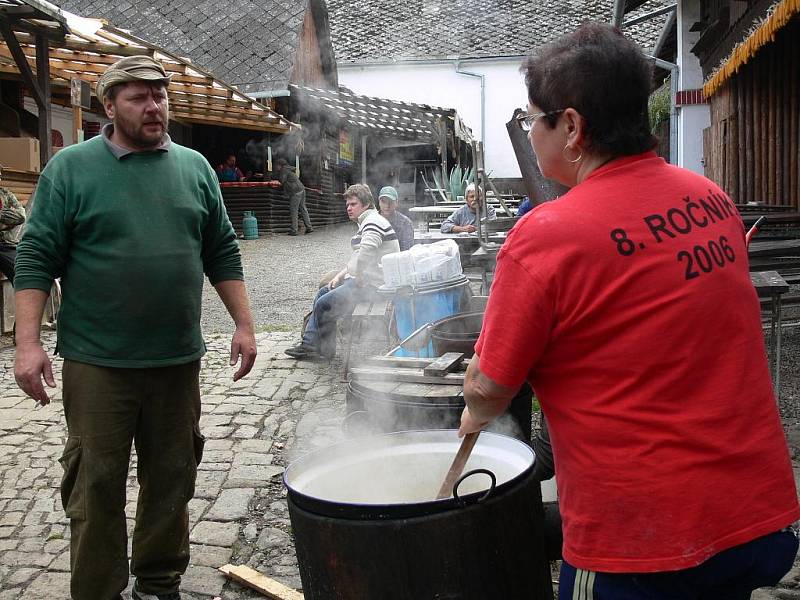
(627, 304)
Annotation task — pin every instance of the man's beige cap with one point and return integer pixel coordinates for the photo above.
(131, 68)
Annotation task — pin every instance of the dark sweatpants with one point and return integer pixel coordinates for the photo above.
(108, 409)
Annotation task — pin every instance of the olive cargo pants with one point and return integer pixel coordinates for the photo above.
(108, 409)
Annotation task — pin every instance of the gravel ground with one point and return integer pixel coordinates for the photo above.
(282, 274)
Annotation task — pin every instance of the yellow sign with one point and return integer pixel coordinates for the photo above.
(346, 152)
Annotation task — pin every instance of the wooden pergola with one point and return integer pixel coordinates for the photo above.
(49, 48)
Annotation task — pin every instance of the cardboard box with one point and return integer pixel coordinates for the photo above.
(20, 153)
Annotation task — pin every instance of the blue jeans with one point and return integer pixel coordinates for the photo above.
(329, 306)
(730, 575)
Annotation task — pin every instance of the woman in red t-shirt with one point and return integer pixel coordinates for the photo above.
(641, 335)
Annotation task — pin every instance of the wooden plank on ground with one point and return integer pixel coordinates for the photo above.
(447, 363)
(261, 583)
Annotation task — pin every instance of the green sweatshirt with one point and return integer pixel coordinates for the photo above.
(130, 239)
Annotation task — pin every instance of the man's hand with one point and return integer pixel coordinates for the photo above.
(336, 281)
(470, 228)
(243, 344)
(31, 365)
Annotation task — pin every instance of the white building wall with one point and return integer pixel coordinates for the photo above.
(61, 118)
(439, 84)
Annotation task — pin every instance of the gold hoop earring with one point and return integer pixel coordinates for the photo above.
(564, 153)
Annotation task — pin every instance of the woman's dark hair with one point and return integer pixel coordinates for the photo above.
(605, 77)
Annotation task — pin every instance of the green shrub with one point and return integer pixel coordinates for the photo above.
(658, 107)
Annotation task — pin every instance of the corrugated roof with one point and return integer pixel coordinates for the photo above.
(384, 116)
(365, 31)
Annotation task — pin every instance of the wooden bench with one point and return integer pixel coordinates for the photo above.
(368, 316)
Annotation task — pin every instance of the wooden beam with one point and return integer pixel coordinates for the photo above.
(405, 375)
(250, 125)
(45, 110)
(73, 43)
(53, 33)
(447, 363)
(21, 61)
(20, 12)
(240, 112)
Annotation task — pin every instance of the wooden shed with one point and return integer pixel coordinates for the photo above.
(750, 53)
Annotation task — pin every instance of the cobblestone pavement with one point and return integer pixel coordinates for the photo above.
(239, 510)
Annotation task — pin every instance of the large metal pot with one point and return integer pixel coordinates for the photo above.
(367, 525)
(398, 406)
(457, 333)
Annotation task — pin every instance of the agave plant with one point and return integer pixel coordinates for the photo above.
(455, 185)
(460, 179)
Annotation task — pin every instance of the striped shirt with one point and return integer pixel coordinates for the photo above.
(375, 239)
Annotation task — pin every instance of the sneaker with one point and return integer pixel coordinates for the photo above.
(309, 231)
(302, 351)
(137, 595)
(292, 233)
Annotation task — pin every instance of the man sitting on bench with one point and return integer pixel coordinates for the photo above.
(356, 282)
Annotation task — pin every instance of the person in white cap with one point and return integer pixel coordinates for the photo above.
(131, 222)
(463, 220)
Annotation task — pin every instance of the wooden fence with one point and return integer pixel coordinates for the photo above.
(751, 148)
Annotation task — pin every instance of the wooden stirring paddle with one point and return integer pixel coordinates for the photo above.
(467, 444)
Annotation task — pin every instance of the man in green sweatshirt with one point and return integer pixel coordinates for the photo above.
(131, 222)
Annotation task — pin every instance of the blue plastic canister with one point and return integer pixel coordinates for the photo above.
(250, 225)
(415, 307)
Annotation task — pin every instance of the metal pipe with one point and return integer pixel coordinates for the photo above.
(655, 13)
(618, 13)
(482, 77)
(673, 108)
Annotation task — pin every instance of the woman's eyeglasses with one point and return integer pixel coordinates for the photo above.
(526, 120)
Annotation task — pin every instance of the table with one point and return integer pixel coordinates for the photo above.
(769, 284)
(774, 248)
(422, 215)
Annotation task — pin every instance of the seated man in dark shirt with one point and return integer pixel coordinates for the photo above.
(387, 199)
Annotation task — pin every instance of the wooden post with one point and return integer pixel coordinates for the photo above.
(763, 87)
(769, 59)
(794, 159)
(740, 139)
(363, 158)
(76, 88)
(45, 114)
(77, 124)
